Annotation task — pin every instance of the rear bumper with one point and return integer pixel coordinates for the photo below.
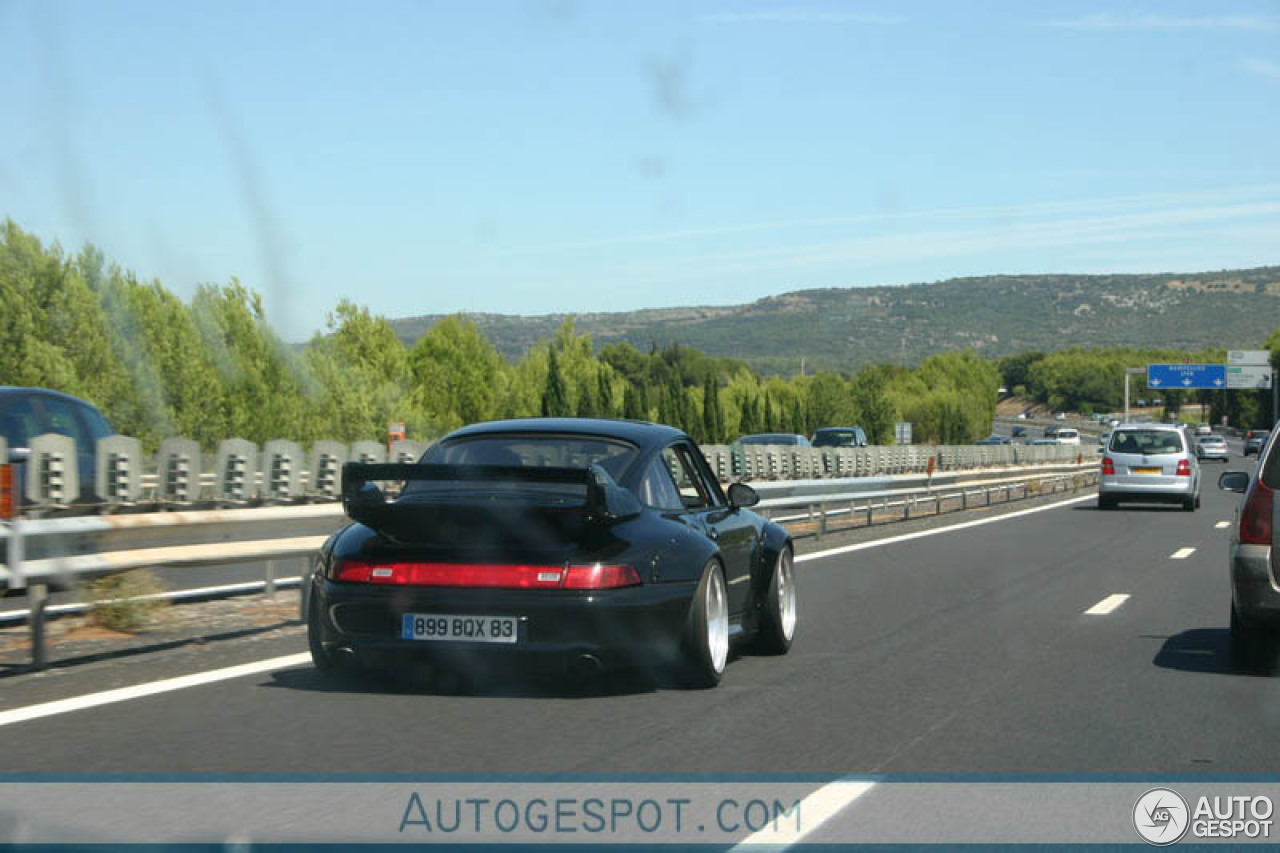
(637, 625)
(1253, 584)
(1125, 489)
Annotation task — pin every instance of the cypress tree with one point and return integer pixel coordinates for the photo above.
(555, 396)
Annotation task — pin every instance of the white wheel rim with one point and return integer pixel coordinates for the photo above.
(786, 596)
(717, 621)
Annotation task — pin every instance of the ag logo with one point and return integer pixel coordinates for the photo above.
(1161, 816)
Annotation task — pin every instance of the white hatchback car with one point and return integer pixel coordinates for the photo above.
(1066, 435)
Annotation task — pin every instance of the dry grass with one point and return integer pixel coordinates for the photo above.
(122, 602)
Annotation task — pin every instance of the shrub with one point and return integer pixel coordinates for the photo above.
(121, 602)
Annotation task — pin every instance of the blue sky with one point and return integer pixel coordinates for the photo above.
(584, 156)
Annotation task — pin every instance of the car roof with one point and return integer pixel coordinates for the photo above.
(1144, 425)
(7, 391)
(640, 433)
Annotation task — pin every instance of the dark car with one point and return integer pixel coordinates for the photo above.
(854, 436)
(994, 440)
(783, 438)
(28, 412)
(1018, 432)
(840, 437)
(556, 544)
(1255, 440)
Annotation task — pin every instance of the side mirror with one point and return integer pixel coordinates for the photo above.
(1233, 481)
(742, 495)
(19, 454)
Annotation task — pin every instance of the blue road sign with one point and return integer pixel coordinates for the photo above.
(1186, 376)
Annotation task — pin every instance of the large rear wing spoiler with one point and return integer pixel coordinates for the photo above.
(365, 502)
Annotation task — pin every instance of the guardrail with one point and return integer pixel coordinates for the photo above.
(62, 552)
(55, 479)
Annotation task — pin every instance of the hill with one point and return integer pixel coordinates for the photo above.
(845, 328)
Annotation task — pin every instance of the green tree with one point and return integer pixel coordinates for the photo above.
(261, 377)
(712, 414)
(458, 377)
(555, 396)
(635, 403)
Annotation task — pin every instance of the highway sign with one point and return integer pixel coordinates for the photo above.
(1249, 376)
(1186, 376)
(1248, 356)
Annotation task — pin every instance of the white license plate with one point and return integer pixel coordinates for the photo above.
(455, 628)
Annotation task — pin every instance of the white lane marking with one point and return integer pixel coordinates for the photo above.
(1182, 553)
(920, 534)
(1221, 524)
(1108, 604)
(815, 810)
(151, 688)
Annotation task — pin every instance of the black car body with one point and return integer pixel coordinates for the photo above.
(552, 543)
(28, 412)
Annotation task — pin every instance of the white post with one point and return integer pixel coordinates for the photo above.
(17, 580)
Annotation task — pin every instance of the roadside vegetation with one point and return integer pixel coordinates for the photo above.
(126, 602)
(213, 368)
(1092, 380)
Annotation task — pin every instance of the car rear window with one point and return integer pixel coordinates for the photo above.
(1150, 442)
(771, 438)
(541, 451)
(537, 451)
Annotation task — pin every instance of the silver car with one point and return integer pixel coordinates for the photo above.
(1212, 447)
(1255, 561)
(1149, 463)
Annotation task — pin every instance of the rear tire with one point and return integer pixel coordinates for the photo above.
(778, 615)
(1189, 505)
(1106, 503)
(705, 649)
(321, 657)
(1251, 647)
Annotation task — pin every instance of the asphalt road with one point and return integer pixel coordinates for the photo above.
(967, 651)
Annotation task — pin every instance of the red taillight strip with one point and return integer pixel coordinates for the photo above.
(1108, 465)
(1184, 468)
(488, 575)
(1255, 515)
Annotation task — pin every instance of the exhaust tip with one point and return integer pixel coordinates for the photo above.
(586, 666)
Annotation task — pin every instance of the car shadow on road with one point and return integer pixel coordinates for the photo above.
(1129, 508)
(1203, 650)
(444, 682)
